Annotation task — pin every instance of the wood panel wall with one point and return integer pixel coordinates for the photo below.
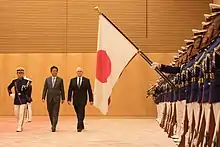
(128, 97)
(37, 34)
(37, 26)
(216, 1)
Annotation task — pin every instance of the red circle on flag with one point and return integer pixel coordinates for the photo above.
(103, 67)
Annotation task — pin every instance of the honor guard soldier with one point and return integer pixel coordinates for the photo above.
(168, 105)
(176, 97)
(215, 88)
(191, 82)
(191, 53)
(196, 91)
(214, 73)
(157, 95)
(215, 68)
(164, 110)
(182, 91)
(214, 39)
(214, 99)
(197, 77)
(29, 101)
(172, 130)
(154, 92)
(204, 96)
(210, 41)
(169, 102)
(20, 98)
(161, 105)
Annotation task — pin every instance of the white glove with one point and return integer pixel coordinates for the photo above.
(12, 95)
(154, 65)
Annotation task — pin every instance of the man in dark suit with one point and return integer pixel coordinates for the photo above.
(54, 89)
(78, 88)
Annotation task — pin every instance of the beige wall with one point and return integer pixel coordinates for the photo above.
(71, 26)
(128, 98)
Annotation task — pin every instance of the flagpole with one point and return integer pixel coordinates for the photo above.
(145, 57)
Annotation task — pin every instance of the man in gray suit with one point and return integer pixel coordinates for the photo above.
(54, 89)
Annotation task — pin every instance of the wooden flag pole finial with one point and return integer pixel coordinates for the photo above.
(97, 9)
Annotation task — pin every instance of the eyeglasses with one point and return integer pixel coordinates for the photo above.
(20, 72)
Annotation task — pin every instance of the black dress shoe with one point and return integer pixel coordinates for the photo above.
(53, 129)
(18, 131)
(79, 130)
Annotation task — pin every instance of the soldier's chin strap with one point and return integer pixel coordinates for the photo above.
(156, 69)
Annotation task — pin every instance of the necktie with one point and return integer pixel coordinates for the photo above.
(53, 81)
(79, 82)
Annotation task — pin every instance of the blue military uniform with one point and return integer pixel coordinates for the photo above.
(188, 85)
(170, 90)
(195, 84)
(21, 91)
(210, 41)
(182, 87)
(20, 98)
(215, 77)
(214, 73)
(201, 83)
(176, 91)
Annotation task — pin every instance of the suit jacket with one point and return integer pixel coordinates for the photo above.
(79, 94)
(53, 93)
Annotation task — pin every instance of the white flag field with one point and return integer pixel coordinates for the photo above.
(114, 52)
